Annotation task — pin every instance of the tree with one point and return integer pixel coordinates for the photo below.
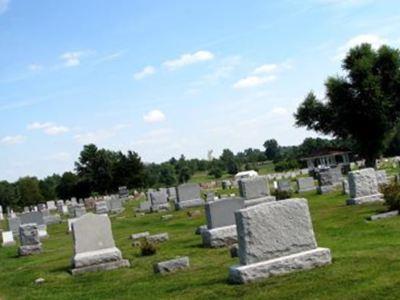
(167, 175)
(8, 194)
(67, 186)
(29, 191)
(272, 149)
(363, 106)
(48, 186)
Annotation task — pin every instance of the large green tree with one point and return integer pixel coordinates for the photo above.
(29, 191)
(363, 105)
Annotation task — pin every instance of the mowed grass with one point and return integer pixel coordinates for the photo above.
(366, 262)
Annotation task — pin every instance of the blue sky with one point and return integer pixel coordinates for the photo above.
(167, 77)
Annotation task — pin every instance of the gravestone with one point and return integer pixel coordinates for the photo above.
(171, 191)
(381, 177)
(51, 205)
(363, 187)
(172, 265)
(159, 200)
(29, 239)
(94, 246)
(210, 196)
(345, 187)
(35, 217)
(188, 195)
(123, 192)
(115, 205)
(255, 190)
(13, 225)
(101, 207)
(305, 184)
(329, 179)
(221, 227)
(42, 232)
(284, 185)
(276, 238)
(42, 206)
(7, 238)
(144, 206)
(79, 210)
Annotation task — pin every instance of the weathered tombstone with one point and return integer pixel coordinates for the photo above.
(363, 187)
(276, 238)
(159, 200)
(172, 265)
(50, 219)
(8, 238)
(188, 195)
(101, 207)
(51, 205)
(144, 206)
(329, 179)
(305, 184)
(255, 190)
(42, 206)
(79, 210)
(284, 185)
(123, 192)
(42, 232)
(171, 191)
(115, 205)
(29, 239)
(13, 225)
(94, 246)
(74, 201)
(381, 177)
(226, 184)
(32, 217)
(26, 209)
(221, 227)
(210, 196)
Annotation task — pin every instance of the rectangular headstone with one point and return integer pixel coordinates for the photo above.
(274, 229)
(222, 212)
(305, 184)
(32, 217)
(8, 238)
(255, 187)
(363, 187)
(13, 225)
(188, 191)
(284, 185)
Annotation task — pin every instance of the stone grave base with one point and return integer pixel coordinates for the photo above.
(296, 262)
(29, 250)
(252, 202)
(189, 203)
(367, 199)
(102, 267)
(160, 207)
(310, 189)
(172, 265)
(105, 259)
(219, 237)
(323, 189)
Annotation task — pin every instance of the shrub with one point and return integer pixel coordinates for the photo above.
(281, 195)
(391, 193)
(147, 249)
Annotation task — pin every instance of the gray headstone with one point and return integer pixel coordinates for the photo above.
(101, 207)
(274, 229)
(222, 212)
(284, 185)
(188, 191)
(13, 225)
(29, 239)
(305, 184)
(363, 187)
(255, 187)
(33, 217)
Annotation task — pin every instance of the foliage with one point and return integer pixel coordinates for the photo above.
(147, 248)
(363, 106)
(286, 165)
(391, 194)
(281, 195)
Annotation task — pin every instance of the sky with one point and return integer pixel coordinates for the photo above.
(165, 78)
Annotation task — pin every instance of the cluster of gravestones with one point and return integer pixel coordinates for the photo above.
(269, 237)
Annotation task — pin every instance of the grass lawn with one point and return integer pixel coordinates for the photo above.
(366, 262)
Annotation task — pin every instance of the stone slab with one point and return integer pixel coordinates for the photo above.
(254, 187)
(140, 235)
(221, 213)
(158, 238)
(386, 215)
(219, 237)
(124, 263)
(172, 265)
(8, 239)
(283, 265)
(189, 203)
(365, 200)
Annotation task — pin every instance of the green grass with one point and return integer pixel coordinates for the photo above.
(366, 262)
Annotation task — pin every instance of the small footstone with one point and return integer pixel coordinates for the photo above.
(158, 238)
(140, 235)
(40, 281)
(166, 217)
(173, 265)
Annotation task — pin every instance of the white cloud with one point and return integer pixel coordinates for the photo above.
(4, 6)
(375, 40)
(99, 135)
(279, 111)
(12, 140)
(147, 71)
(48, 128)
(61, 156)
(253, 81)
(154, 116)
(35, 67)
(188, 59)
(73, 59)
(266, 69)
